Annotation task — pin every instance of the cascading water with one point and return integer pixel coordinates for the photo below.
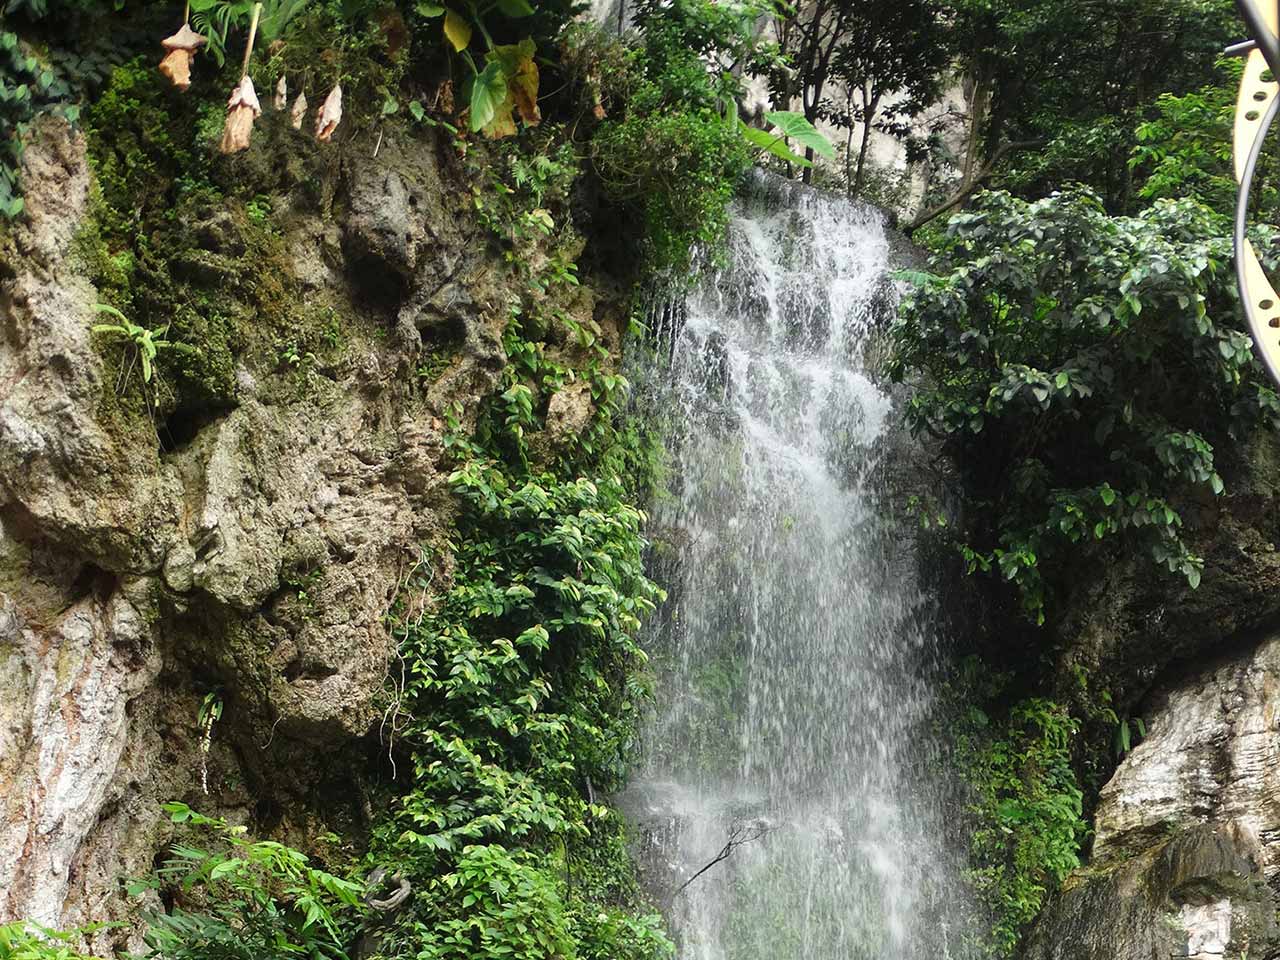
(785, 747)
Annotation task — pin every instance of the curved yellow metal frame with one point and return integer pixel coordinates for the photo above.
(1255, 97)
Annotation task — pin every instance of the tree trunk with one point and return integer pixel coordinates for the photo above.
(869, 107)
(977, 113)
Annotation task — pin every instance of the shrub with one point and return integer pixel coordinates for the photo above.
(253, 900)
(1077, 367)
(677, 152)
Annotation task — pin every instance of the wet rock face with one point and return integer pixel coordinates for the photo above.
(1212, 755)
(1187, 848)
(1199, 894)
(255, 560)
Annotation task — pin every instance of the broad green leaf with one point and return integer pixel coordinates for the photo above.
(774, 145)
(795, 126)
(488, 92)
(428, 9)
(521, 73)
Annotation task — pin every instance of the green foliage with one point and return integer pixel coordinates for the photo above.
(1072, 80)
(145, 341)
(218, 20)
(27, 89)
(24, 940)
(1184, 150)
(679, 110)
(872, 64)
(1077, 365)
(1026, 803)
(524, 679)
(507, 85)
(257, 899)
(790, 126)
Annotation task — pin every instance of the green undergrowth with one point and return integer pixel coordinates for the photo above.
(523, 679)
(1024, 800)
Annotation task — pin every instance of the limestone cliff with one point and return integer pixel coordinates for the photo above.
(243, 551)
(1183, 860)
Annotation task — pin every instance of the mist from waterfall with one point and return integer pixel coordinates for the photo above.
(789, 748)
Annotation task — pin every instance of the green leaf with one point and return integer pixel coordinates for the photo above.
(416, 110)
(488, 92)
(428, 9)
(225, 867)
(515, 8)
(108, 309)
(795, 126)
(773, 144)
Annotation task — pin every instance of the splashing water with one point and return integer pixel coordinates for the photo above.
(784, 752)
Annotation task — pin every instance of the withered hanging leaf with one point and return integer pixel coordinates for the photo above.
(524, 87)
(444, 98)
(242, 109)
(181, 47)
(521, 73)
(330, 114)
(457, 30)
(299, 111)
(282, 93)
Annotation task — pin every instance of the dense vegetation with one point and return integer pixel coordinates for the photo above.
(522, 679)
(1076, 347)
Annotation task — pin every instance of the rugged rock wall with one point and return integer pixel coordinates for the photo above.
(1186, 854)
(1185, 857)
(249, 552)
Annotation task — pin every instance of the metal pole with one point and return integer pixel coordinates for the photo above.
(1260, 30)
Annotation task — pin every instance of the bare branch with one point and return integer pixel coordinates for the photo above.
(969, 186)
(737, 837)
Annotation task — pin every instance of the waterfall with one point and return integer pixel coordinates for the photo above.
(786, 747)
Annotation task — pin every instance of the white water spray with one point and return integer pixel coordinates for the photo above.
(790, 697)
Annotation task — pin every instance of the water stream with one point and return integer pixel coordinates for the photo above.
(786, 749)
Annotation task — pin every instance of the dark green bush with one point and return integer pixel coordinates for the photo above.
(1079, 367)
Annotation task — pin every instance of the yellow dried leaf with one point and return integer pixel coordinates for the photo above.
(457, 30)
(242, 108)
(524, 87)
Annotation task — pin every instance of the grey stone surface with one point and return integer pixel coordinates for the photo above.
(1187, 848)
(256, 560)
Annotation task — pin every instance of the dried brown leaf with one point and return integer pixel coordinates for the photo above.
(330, 114)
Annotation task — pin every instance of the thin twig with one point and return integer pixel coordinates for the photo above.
(736, 839)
